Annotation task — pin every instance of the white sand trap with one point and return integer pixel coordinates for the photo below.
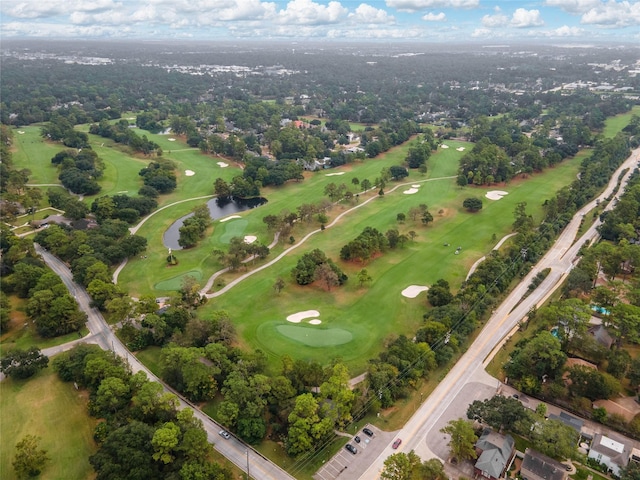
(223, 165)
(334, 174)
(230, 217)
(496, 194)
(460, 149)
(298, 317)
(20, 132)
(444, 146)
(131, 118)
(189, 173)
(171, 139)
(315, 321)
(411, 191)
(250, 238)
(415, 186)
(412, 291)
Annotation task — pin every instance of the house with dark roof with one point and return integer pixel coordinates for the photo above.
(611, 450)
(536, 466)
(570, 420)
(495, 453)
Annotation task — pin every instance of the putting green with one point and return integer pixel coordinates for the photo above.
(233, 228)
(314, 336)
(175, 283)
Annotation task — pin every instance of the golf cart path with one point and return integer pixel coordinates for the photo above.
(484, 257)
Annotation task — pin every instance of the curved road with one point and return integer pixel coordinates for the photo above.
(101, 334)
(468, 377)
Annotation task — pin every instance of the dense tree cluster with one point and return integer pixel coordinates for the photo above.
(120, 132)
(23, 364)
(369, 243)
(122, 207)
(194, 227)
(143, 434)
(79, 170)
(160, 175)
(304, 273)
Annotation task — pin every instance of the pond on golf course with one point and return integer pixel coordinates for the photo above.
(218, 208)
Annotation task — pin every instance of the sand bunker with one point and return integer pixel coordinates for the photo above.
(315, 321)
(189, 173)
(171, 139)
(20, 132)
(412, 291)
(250, 238)
(223, 165)
(411, 191)
(444, 146)
(298, 317)
(333, 174)
(496, 194)
(460, 149)
(415, 186)
(230, 217)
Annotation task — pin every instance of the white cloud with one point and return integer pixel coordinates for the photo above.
(434, 17)
(574, 6)
(416, 5)
(493, 21)
(30, 9)
(368, 14)
(482, 33)
(307, 12)
(612, 13)
(566, 31)
(523, 18)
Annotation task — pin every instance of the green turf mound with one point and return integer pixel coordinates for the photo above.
(175, 283)
(233, 228)
(315, 337)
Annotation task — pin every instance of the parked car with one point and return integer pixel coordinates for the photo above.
(356, 439)
(396, 443)
(224, 434)
(351, 448)
(367, 432)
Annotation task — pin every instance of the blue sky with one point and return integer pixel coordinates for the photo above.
(502, 21)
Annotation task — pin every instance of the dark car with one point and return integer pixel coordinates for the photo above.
(367, 432)
(396, 443)
(351, 448)
(356, 439)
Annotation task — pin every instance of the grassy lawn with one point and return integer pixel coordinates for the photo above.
(150, 356)
(46, 407)
(31, 152)
(613, 125)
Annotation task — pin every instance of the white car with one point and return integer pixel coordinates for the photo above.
(224, 434)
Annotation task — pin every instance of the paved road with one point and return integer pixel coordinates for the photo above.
(233, 449)
(422, 432)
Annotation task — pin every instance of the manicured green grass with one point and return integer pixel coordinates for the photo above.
(46, 407)
(370, 313)
(31, 152)
(613, 125)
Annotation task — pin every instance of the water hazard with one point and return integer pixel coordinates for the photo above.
(217, 209)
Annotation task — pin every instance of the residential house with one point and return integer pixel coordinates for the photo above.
(495, 454)
(600, 335)
(536, 466)
(612, 450)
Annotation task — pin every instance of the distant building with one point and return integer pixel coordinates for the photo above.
(612, 452)
(495, 454)
(536, 466)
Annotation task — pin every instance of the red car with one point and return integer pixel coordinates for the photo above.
(396, 443)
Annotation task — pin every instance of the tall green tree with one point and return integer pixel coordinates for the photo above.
(30, 459)
(462, 439)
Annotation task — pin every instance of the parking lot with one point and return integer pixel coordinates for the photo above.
(347, 466)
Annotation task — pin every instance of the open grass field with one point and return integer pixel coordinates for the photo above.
(613, 125)
(46, 407)
(31, 152)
